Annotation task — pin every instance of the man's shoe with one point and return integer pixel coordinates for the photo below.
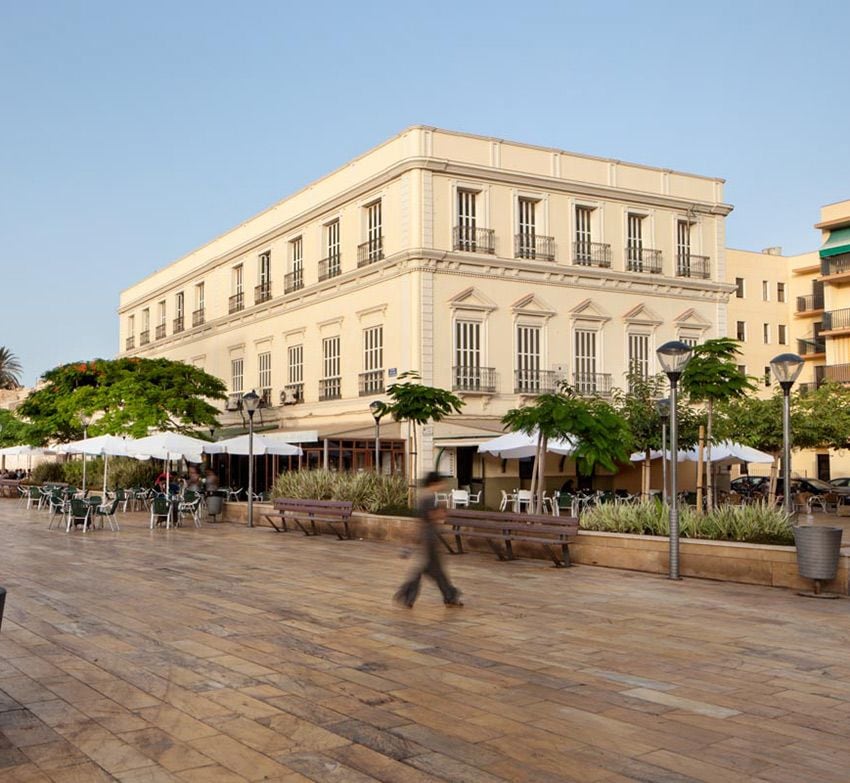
(454, 602)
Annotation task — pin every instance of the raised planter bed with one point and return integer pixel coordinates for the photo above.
(756, 564)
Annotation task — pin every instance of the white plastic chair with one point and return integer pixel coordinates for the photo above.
(441, 499)
(475, 499)
(460, 498)
(523, 497)
(507, 500)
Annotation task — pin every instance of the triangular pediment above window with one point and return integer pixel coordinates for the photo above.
(472, 299)
(532, 304)
(588, 310)
(642, 315)
(691, 319)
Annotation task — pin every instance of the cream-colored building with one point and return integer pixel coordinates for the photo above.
(490, 267)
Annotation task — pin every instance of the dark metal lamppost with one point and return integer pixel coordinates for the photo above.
(674, 357)
(251, 401)
(663, 408)
(375, 409)
(85, 420)
(786, 369)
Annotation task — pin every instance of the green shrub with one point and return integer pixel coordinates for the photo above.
(754, 524)
(124, 472)
(366, 491)
(47, 472)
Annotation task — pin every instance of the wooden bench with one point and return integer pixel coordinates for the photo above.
(306, 513)
(509, 528)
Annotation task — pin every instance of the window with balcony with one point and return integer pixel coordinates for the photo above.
(264, 377)
(530, 379)
(372, 377)
(586, 378)
(263, 289)
(638, 257)
(330, 385)
(160, 326)
(131, 333)
(741, 331)
(145, 334)
(237, 369)
(237, 298)
(179, 313)
(689, 264)
(739, 287)
(294, 279)
(294, 391)
(198, 312)
(468, 236)
(372, 249)
(528, 243)
(586, 252)
(331, 265)
(468, 374)
(639, 354)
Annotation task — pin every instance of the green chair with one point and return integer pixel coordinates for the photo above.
(79, 514)
(160, 512)
(107, 512)
(33, 497)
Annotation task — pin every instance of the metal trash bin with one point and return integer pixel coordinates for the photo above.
(818, 550)
(215, 503)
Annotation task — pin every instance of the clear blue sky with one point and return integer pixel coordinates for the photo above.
(130, 133)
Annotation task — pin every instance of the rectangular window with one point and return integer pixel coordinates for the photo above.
(766, 333)
(780, 292)
(683, 248)
(295, 363)
(265, 270)
(236, 375)
(639, 354)
(179, 306)
(466, 220)
(294, 280)
(586, 378)
(331, 266)
(765, 290)
(584, 237)
(131, 325)
(199, 296)
(528, 376)
(742, 368)
(161, 313)
(782, 336)
(372, 249)
(372, 378)
(237, 297)
(767, 375)
(330, 384)
(264, 376)
(237, 279)
(467, 370)
(634, 243)
(741, 331)
(146, 320)
(527, 216)
(689, 339)
(739, 287)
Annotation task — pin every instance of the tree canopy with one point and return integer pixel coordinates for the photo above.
(416, 402)
(712, 374)
(10, 369)
(128, 396)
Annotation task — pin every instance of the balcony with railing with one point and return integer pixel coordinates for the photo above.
(330, 388)
(592, 254)
(643, 259)
(589, 384)
(811, 347)
(293, 281)
(481, 380)
(370, 252)
(837, 373)
(198, 317)
(330, 267)
(535, 247)
(470, 239)
(371, 382)
(534, 381)
(812, 303)
(177, 325)
(160, 331)
(144, 337)
(263, 292)
(836, 320)
(689, 265)
(293, 393)
(835, 265)
(236, 303)
(130, 343)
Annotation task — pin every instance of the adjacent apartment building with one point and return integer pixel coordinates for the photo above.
(492, 268)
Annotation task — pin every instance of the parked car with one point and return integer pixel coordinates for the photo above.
(750, 485)
(843, 481)
(747, 485)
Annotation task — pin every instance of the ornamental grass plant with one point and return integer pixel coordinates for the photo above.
(758, 523)
(366, 491)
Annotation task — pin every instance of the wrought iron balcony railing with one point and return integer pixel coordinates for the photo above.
(810, 303)
(370, 252)
(330, 388)
(689, 265)
(236, 303)
(474, 379)
(592, 254)
(198, 317)
(535, 247)
(835, 265)
(534, 381)
(144, 337)
(588, 384)
(834, 320)
(329, 267)
(177, 325)
(160, 331)
(810, 347)
(371, 382)
(643, 259)
(838, 373)
(129, 343)
(471, 239)
(263, 292)
(293, 281)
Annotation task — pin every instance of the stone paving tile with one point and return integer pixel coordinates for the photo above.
(225, 655)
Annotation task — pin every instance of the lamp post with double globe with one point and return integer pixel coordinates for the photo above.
(786, 369)
(251, 401)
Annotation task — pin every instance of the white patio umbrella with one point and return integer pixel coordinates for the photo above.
(25, 451)
(105, 446)
(519, 445)
(263, 444)
(723, 452)
(171, 445)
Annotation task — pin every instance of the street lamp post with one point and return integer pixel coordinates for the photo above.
(375, 408)
(85, 420)
(251, 401)
(674, 357)
(786, 369)
(663, 408)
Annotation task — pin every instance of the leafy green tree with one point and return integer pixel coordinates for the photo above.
(10, 369)
(13, 431)
(712, 376)
(417, 404)
(601, 435)
(127, 396)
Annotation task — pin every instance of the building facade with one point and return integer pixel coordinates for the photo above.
(489, 267)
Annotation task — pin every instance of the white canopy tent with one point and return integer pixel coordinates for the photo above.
(105, 446)
(519, 445)
(263, 444)
(25, 451)
(169, 446)
(725, 452)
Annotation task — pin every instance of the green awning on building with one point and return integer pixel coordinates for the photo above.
(838, 242)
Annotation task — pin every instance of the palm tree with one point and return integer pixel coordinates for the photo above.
(10, 369)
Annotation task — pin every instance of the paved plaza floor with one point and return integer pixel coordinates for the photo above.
(229, 654)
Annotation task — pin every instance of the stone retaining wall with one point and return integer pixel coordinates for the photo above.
(773, 566)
